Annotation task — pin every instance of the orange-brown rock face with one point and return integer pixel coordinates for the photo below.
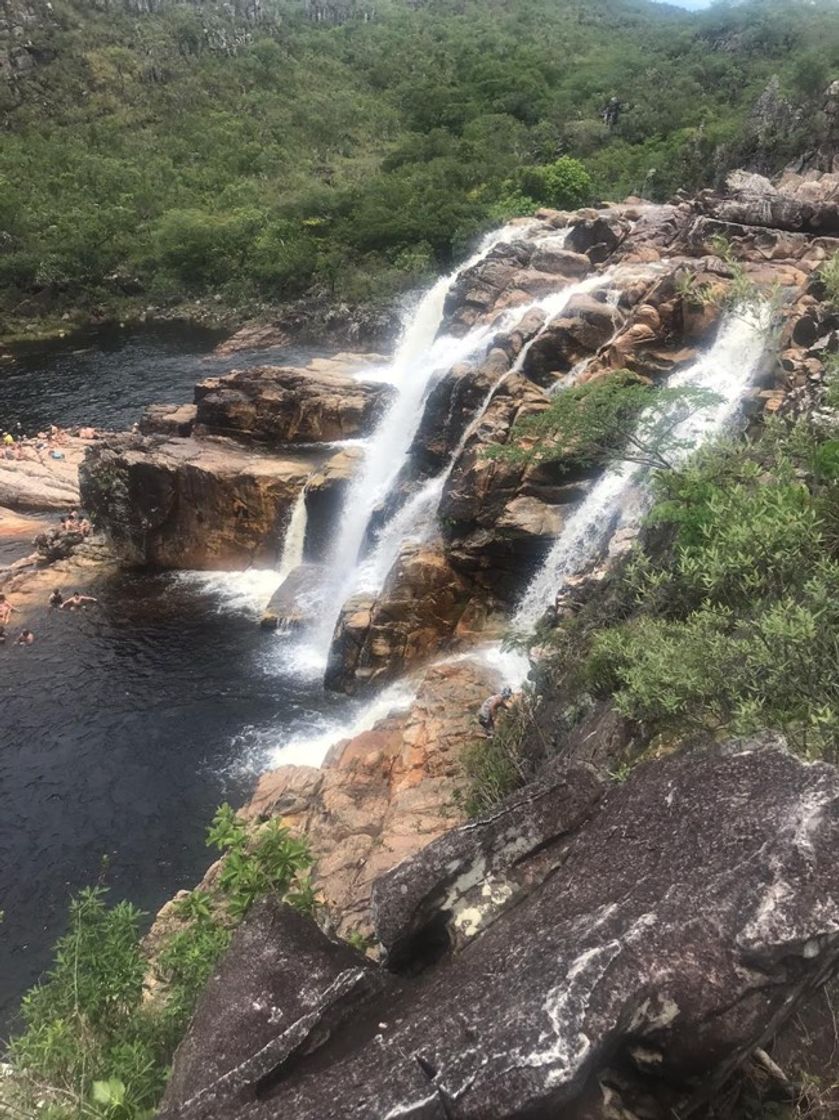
(185, 503)
(416, 614)
(275, 405)
(384, 794)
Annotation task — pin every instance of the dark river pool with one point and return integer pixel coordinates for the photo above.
(122, 728)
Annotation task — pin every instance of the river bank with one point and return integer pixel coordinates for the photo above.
(316, 320)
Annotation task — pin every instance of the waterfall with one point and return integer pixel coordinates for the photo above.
(416, 520)
(421, 354)
(726, 369)
(295, 538)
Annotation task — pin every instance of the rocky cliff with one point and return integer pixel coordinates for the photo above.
(583, 952)
(212, 485)
(602, 943)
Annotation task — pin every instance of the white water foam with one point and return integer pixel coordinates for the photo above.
(311, 748)
(416, 520)
(726, 369)
(244, 593)
(421, 354)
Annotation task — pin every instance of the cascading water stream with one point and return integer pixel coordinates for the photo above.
(416, 519)
(726, 369)
(422, 353)
(295, 538)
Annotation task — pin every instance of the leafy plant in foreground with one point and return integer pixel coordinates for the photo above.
(94, 1044)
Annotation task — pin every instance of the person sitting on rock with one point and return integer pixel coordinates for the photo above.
(77, 602)
(85, 527)
(6, 610)
(56, 599)
(490, 708)
(25, 638)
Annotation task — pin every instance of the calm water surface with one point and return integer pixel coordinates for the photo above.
(108, 380)
(125, 726)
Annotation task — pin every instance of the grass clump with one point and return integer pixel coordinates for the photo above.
(94, 1044)
(495, 766)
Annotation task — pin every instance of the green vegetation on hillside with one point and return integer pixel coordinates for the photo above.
(736, 623)
(96, 1044)
(140, 161)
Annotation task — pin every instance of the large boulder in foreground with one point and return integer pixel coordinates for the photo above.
(194, 504)
(277, 405)
(636, 944)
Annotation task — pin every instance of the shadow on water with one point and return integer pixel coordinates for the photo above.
(124, 727)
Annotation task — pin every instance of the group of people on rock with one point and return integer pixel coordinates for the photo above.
(70, 523)
(15, 446)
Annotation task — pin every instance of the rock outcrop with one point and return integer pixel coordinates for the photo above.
(168, 420)
(187, 503)
(418, 610)
(278, 406)
(383, 795)
(40, 482)
(584, 951)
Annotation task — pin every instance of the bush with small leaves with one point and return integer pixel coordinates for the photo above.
(93, 1046)
(736, 623)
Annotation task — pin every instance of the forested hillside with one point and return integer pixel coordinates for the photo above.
(153, 150)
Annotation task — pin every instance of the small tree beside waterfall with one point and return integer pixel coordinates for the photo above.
(619, 418)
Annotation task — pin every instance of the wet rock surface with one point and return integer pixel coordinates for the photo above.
(416, 613)
(642, 942)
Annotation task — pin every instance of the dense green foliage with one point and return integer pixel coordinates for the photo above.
(736, 623)
(150, 156)
(619, 417)
(93, 1045)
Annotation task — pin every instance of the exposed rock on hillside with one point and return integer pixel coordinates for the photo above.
(612, 951)
(276, 406)
(186, 503)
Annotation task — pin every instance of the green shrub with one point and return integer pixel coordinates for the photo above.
(615, 418)
(737, 621)
(495, 766)
(829, 274)
(92, 1045)
(564, 184)
(85, 1023)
